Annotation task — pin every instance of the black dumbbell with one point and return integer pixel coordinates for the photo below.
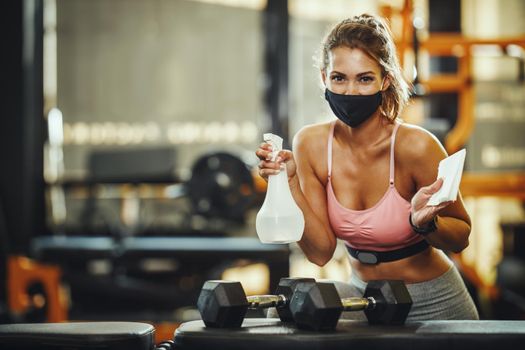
(317, 306)
(223, 304)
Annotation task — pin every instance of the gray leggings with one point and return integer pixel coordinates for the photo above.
(443, 298)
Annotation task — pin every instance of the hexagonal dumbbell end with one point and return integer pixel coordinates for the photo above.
(286, 287)
(222, 304)
(393, 302)
(316, 306)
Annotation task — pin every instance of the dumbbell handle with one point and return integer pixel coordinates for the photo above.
(266, 301)
(358, 304)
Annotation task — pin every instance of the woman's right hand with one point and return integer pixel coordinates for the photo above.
(268, 167)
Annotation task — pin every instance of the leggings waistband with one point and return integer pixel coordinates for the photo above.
(420, 288)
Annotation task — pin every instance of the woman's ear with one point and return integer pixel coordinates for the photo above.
(323, 77)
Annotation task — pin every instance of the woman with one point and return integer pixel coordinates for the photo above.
(365, 178)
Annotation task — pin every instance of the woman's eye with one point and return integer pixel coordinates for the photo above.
(366, 79)
(337, 78)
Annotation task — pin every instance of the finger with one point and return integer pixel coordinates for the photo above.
(434, 187)
(443, 205)
(285, 155)
(263, 164)
(260, 154)
(263, 155)
(264, 173)
(266, 146)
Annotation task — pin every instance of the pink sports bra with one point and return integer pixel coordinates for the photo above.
(384, 226)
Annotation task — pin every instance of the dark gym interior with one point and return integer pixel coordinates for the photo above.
(128, 174)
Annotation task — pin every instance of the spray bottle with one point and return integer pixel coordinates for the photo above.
(279, 220)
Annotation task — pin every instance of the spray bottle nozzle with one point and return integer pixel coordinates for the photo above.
(276, 142)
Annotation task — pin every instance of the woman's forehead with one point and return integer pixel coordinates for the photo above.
(354, 60)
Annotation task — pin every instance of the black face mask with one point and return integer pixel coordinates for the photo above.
(353, 110)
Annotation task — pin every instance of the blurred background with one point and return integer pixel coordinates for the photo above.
(129, 127)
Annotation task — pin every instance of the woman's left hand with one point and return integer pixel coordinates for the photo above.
(421, 212)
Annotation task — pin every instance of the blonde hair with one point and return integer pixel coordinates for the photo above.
(372, 35)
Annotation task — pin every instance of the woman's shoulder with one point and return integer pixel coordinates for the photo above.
(312, 135)
(416, 143)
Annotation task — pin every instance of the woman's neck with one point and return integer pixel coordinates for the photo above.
(369, 134)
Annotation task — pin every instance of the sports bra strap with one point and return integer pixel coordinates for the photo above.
(330, 141)
(392, 143)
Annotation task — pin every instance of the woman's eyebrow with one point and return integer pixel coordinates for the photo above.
(339, 73)
(365, 73)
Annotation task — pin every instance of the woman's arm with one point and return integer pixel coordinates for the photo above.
(318, 242)
(452, 220)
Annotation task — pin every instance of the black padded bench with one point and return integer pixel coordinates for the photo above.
(264, 334)
(78, 336)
